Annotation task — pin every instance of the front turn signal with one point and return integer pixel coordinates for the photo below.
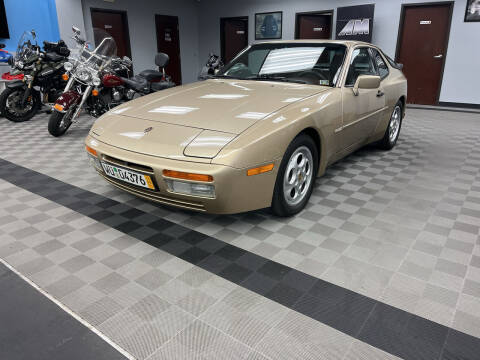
(95, 92)
(260, 170)
(187, 176)
(58, 107)
(65, 77)
(90, 150)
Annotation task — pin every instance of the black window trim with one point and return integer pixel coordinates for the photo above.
(375, 62)
(350, 58)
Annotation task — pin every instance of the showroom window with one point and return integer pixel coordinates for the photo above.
(380, 62)
(360, 64)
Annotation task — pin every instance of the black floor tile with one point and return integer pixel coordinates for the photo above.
(337, 307)
(259, 283)
(284, 294)
(274, 270)
(230, 252)
(403, 334)
(214, 263)
(193, 237)
(235, 273)
(33, 327)
(460, 346)
(194, 255)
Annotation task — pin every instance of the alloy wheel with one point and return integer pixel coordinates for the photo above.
(394, 126)
(298, 176)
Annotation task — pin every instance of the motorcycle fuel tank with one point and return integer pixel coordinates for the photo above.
(110, 80)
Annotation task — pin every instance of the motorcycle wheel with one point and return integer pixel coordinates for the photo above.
(59, 123)
(11, 108)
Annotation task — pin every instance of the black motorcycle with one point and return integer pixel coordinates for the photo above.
(213, 65)
(42, 82)
(149, 81)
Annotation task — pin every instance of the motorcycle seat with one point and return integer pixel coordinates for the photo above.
(162, 85)
(51, 56)
(50, 43)
(137, 83)
(151, 75)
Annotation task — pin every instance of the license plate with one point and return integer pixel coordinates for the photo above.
(131, 177)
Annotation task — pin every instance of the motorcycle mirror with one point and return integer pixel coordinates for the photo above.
(34, 33)
(76, 30)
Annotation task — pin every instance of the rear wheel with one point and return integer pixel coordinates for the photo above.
(393, 129)
(14, 108)
(59, 122)
(296, 177)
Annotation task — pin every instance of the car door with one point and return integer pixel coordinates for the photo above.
(361, 112)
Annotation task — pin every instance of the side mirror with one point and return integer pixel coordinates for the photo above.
(366, 82)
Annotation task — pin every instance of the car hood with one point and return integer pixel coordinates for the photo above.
(218, 105)
(197, 120)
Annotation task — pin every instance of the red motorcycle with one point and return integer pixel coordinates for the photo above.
(98, 81)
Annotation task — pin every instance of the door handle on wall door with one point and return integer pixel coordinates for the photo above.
(439, 56)
(380, 93)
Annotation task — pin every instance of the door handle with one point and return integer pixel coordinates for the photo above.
(380, 93)
(439, 56)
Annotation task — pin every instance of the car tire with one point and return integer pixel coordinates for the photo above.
(393, 129)
(296, 177)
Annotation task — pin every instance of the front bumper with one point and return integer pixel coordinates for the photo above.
(235, 192)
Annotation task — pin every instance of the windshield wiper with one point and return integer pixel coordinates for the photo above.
(276, 78)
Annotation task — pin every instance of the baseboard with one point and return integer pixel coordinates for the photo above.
(459, 105)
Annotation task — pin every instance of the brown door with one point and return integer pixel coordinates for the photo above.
(116, 24)
(234, 36)
(313, 26)
(168, 42)
(422, 50)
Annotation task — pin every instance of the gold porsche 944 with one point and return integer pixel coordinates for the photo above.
(257, 133)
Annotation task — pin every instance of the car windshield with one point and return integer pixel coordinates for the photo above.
(316, 64)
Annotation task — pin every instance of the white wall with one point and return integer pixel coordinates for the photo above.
(141, 22)
(461, 77)
(69, 13)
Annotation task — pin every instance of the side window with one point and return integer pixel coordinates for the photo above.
(360, 64)
(381, 66)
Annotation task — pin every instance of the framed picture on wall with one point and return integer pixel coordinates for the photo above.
(472, 12)
(268, 25)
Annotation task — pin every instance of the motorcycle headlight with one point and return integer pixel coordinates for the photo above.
(68, 66)
(83, 75)
(96, 81)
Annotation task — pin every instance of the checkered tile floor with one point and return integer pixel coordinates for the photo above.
(401, 227)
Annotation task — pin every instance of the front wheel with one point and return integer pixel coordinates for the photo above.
(14, 108)
(60, 122)
(296, 176)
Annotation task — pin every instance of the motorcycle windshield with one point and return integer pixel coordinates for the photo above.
(96, 57)
(26, 49)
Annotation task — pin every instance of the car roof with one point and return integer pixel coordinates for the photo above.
(348, 43)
